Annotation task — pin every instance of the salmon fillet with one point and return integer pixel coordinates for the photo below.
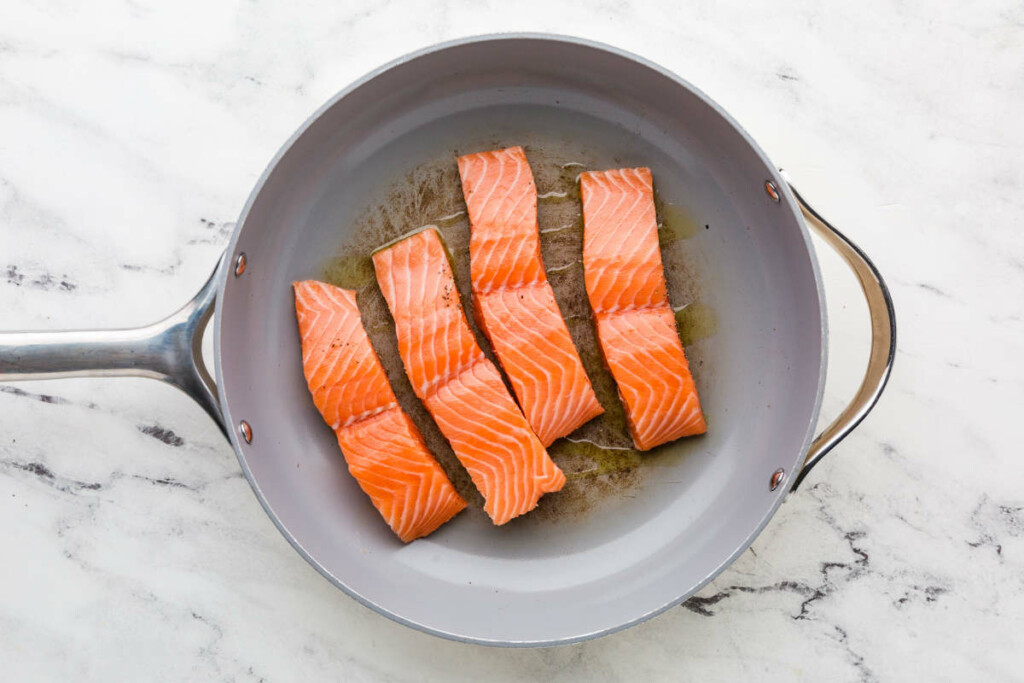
(382, 447)
(459, 385)
(636, 327)
(513, 300)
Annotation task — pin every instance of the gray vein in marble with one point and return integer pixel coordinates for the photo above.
(856, 659)
(43, 473)
(162, 434)
(44, 281)
(932, 289)
(214, 232)
(159, 270)
(832, 574)
(17, 391)
(994, 521)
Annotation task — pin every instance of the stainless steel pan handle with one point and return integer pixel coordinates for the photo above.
(169, 350)
(883, 336)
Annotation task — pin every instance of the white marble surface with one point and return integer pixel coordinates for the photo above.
(132, 549)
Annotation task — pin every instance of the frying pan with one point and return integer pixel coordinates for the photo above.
(526, 584)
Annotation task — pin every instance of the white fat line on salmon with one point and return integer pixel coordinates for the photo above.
(363, 416)
(438, 382)
(406, 235)
(567, 266)
(600, 445)
(637, 307)
(518, 285)
(560, 228)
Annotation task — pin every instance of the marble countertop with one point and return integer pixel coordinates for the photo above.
(133, 549)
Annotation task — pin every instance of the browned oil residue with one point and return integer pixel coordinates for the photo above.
(601, 466)
(352, 271)
(696, 321)
(674, 222)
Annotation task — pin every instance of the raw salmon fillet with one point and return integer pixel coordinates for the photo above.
(514, 302)
(383, 448)
(636, 326)
(460, 387)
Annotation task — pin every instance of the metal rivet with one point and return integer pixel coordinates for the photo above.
(772, 191)
(240, 264)
(777, 477)
(246, 430)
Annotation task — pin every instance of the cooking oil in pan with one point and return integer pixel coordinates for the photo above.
(696, 321)
(351, 271)
(674, 223)
(599, 459)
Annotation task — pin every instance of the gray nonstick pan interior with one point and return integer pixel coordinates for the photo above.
(697, 504)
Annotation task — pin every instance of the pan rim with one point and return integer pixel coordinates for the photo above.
(789, 203)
